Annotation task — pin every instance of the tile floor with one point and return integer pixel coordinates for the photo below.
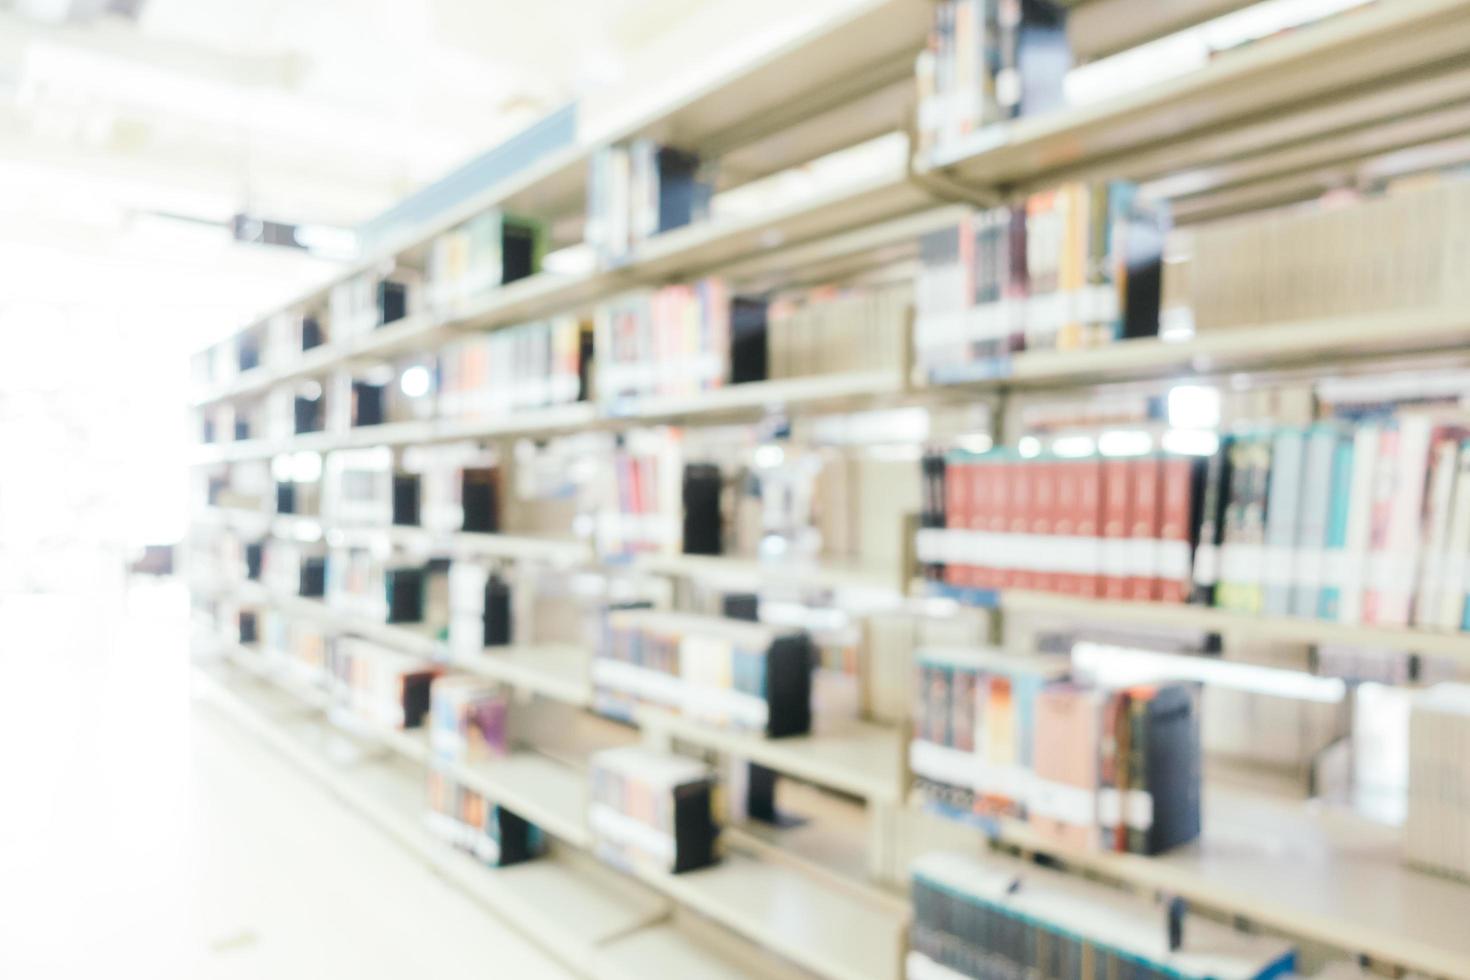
(142, 834)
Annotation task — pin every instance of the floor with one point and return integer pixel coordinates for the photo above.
(142, 834)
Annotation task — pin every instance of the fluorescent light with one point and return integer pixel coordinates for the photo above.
(1074, 447)
(1116, 666)
(1029, 446)
(415, 381)
(1194, 407)
(1125, 442)
(1191, 442)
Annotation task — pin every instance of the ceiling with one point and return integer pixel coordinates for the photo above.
(131, 130)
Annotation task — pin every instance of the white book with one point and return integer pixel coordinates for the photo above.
(1396, 587)
(1360, 523)
(1444, 460)
(1457, 550)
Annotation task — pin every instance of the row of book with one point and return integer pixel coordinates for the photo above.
(534, 365)
(679, 340)
(443, 489)
(1072, 267)
(737, 675)
(489, 250)
(652, 811)
(1437, 825)
(639, 189)
(986, 61)
(1352, 521)
(383, 687)
(998, 917)
(369, 300)
(1404, 249)
(834, 329)
(465, 819)
(1098, 527)
(1002, 736)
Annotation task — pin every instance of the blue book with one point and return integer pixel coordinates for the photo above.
(1330, 601)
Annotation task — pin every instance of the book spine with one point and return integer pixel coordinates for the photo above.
(1358, 536)
(1180, 481)
(1283, 519)
(1117, 491)
(1444, 461)
(1385, 479)
(1457, 552)
(1145, 519)
(1340, 500)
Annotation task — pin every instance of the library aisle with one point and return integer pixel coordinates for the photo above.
(146, 833)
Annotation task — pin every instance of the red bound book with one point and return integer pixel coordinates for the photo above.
(1145, 514)
(978, 473)
(1089, 522)
(1043, 519)
(998, 522)
(1117, 490)
(1067, 510)
(957, 513)
(1173, 581)
(1022, 504)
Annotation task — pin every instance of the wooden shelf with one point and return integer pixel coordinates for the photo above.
(752, 573)
(1330, 340)
(829, 931)
(561, 673)
(1209, 619)
(851, 756)
(1242, 102)
(745, 400)
(1304, 870)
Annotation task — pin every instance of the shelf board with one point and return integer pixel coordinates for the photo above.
(829, 931)
(1336, 339)
(752, 573)
(551, 795)
(743, 400)
(854, 757)
(1298, 74)
(1304, 870)
(561, 673)
(1207, 618)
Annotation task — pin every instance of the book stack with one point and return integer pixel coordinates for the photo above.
(635, 502)
(1074, 267)
(490, 250)
(384, 687)
(479, 608)
(988, 60)
(637, 190)
(467, 721)
(1437, 828)
(367, 301)
(727, 673)
(833, 330)
(467, 820)
(1309, 263)
(533, 365)
(652, 812)
(1087, 768)
(679, 340)
(1093, 526)
(1365, 522)
(996, 917)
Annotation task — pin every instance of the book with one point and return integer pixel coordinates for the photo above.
(652, 811)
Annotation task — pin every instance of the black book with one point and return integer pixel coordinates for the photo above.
(789, 663)
(406, 500)
(308, 414)
(517, 839)
(405, 588)
(248, 353)
(208, 430)
(313, 577)
(480, 497)
(747, 340)
(1214, 502)
(497, 612)
(1170, 757)
(682, 197)
(741, 605)
(367, 403)
(392, 301)
(311, 333)
(248, 627)
(1035, 56)
(703, 526)
(695, 831)
(285, 498)
(518, 241)
(254, 550)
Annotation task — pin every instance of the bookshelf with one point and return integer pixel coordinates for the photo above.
(1274, 122)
